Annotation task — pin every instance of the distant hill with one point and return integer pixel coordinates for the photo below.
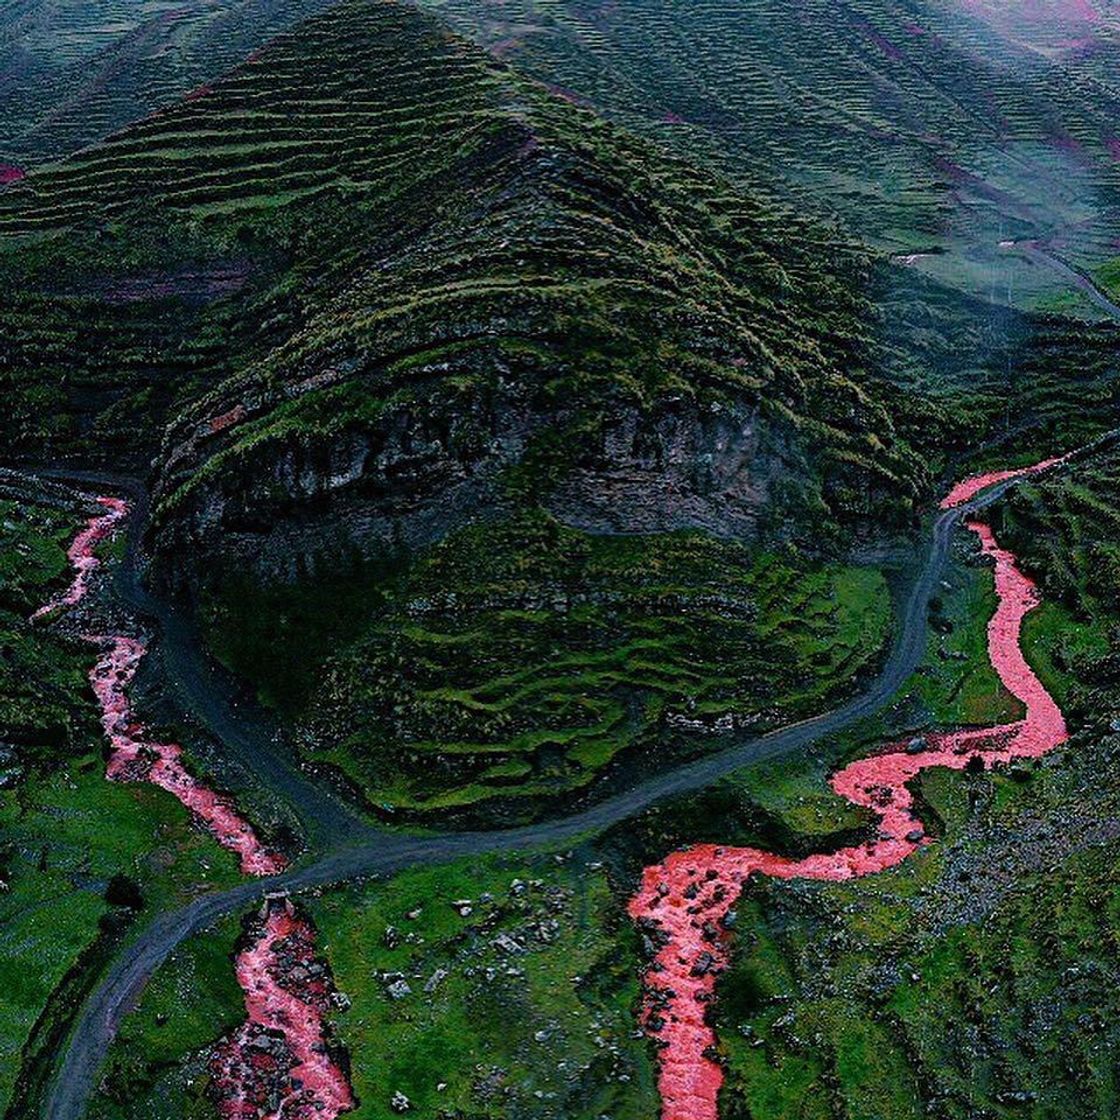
(72, 71)
(921, 124)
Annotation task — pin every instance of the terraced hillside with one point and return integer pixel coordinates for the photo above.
(520, 661)
(413, 266)
(926, 127)
(76, 70)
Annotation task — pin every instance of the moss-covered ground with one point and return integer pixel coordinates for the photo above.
(521, 660)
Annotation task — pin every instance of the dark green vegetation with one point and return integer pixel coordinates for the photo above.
(74, 848)
(158, 1066)
(504, 452)
(1065, 529)
(390, 250)
(519, 1005)
(372, 285)
(980, 977)
(42, 713)
(920, 126)
(76, 70)
(522, 659)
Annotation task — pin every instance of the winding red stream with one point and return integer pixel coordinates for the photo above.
(682, 901)
(277, 1064)
(135, 755)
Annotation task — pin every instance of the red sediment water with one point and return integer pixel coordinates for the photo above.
(968, 488)
(82, 555)
(277, 1065)
(134, 756)
(9, 173)
(683, 901)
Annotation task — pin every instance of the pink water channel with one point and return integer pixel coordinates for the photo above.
(684, 899)
(286, 995)
(277, 1065)
(136, 756)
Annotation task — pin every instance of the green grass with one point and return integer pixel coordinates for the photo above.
(190, 1003)
(1057, 644)
(1107, 275)
(519, 658)
(475, 1034)
(978, 976)
(956, 684)
(882, 1008)
(65, 836)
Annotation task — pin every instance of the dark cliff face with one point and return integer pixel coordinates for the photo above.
(716, 467)
(425, 468)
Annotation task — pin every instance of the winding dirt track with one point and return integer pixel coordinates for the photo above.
(344, 847)
(1038, 252)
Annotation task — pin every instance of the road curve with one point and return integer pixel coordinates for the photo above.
(1037, 251)
(363, 850)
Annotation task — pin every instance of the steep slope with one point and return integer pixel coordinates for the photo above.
(387, 318)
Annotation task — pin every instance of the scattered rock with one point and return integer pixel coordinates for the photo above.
(435, 980)
(399, 989)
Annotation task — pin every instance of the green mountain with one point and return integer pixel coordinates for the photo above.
(525, 412)
(374, 251)
(926, 127)
(393, 324)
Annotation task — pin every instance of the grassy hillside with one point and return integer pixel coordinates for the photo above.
(1065, 530)
(923, 126)
(65, 832)
(529, 1013)
(76, 70)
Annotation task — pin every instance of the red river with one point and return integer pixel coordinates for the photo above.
(683, 900)
(135, 755)
(277, 1065)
